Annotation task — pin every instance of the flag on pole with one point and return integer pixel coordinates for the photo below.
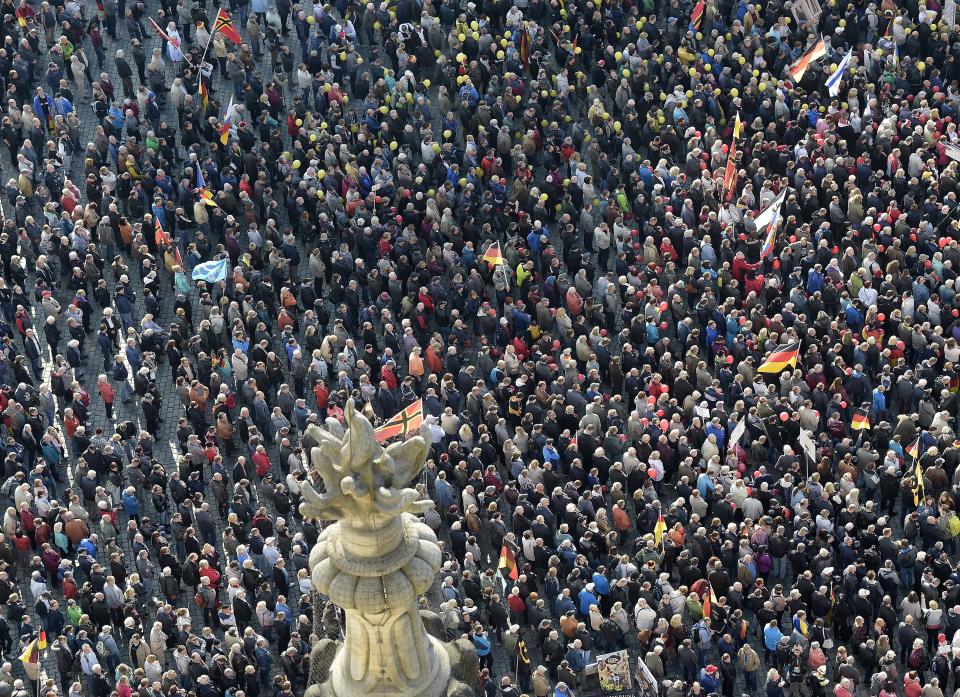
(225, 128)
(493, 255)
(31, 654)
(798, 68)
(42, 640)
(163, 35)
(508, 563)
(696, 17)
(24, 15)
(225, 26)
(737, 433)
(768, 220)
(204, 95)
(833, 82)
(659, 529)
(708, 600)
(784, 356)
(919, 488)
(160, 236)
(809, 447)
(524, 46)
(403, 425)
(203, 192)
(860, 421)
(914, 449)
(211, 271)
(730, 172)
(737, 127)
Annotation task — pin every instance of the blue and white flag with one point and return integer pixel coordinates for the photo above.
(833, 82)
(211, 271)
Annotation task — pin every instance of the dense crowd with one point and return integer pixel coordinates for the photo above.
(550, 222)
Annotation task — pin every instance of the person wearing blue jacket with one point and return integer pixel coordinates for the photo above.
(587, 598)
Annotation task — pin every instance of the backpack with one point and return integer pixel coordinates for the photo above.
(953, 523)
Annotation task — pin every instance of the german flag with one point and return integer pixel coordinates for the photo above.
(730, 173)
(404, 424)
(798, 68)
(225, 26)
(696, 17)
(709, 598)
(42, 640)
(784, 356)
(860, 420)
(204, 96)
(508, 563)
(31, 654)
(493, 255)
(160, 236)
(914, 449)
(524, 47)
(659, 529)
(24, 15)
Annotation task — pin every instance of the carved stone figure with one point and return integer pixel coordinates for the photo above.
(374, 563)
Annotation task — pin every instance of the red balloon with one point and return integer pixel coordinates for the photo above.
(652, 473)
(784, 416)
(881, 317)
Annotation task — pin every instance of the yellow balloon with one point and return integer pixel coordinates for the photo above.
(734, 92)
(323, 126)
(313, 137)
(343, 55)
(742, 60)
(383, 109)
(625, 73)
(436, 147)
(921, 65)
(394, 145)
(311, 19)
(617, 126)
(299, 122)
(692, 72)
(756, 73)
(476, 36)
(578, 50)
(447, 134)
(461, 57)
(708, 67)
(618, 55)
(321, 174)
(689, 94)
(833, 67)
(763, 86)
(503, 42)
(346, 99)
(711, 52)
(296, 164)
(474, 25)
(699, 36)
(463, 181)
(359, 60)
(462, 37)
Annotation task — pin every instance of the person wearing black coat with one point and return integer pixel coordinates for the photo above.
(242, 610)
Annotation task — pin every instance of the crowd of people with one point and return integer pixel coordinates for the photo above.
(673, 283)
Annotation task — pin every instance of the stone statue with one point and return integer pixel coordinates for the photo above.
(374, 563)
